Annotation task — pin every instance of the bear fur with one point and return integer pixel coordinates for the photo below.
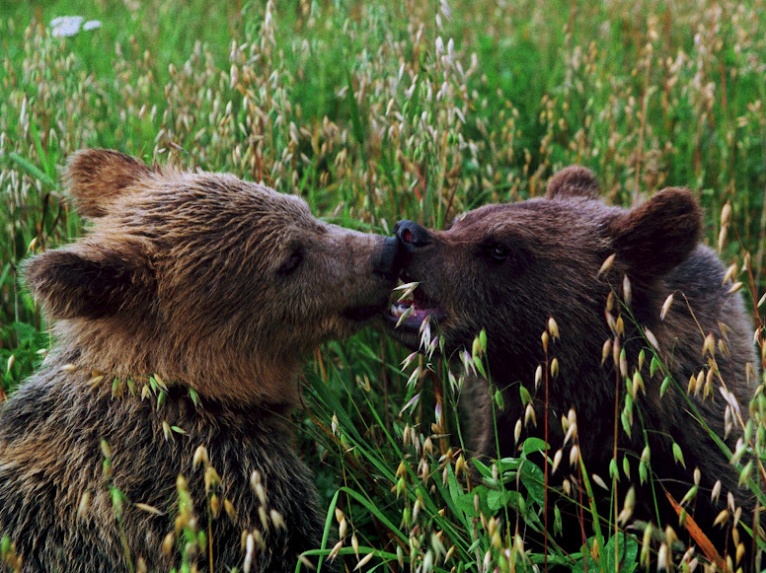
(182, 321)
(510, 268)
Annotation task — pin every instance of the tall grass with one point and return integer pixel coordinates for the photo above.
(420, 110)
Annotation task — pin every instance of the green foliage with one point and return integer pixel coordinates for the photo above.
(30, 346)
(375, 114)
(620, 554)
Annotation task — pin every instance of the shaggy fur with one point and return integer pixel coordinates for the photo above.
(218, 287)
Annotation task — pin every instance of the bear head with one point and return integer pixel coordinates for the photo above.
(508, 268)
(203, 279)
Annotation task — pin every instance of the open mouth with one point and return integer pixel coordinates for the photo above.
(410, 313)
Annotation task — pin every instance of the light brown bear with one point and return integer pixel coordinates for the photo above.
(183, 319)
(512, 268)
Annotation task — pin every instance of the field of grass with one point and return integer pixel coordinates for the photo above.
(418, 110)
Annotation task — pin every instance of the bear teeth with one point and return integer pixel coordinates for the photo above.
(398, 309)
(411, 312)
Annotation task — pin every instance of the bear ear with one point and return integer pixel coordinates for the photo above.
(96, 177)
(84, 281)
(573, 181)
(655, 237)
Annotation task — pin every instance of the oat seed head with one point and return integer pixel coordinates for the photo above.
(666, 306)
(606, 266)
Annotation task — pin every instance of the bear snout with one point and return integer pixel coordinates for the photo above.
(389, 263)
(411, 235)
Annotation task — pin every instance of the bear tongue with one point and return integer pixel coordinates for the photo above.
(413, 314)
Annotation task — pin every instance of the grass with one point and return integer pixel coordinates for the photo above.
(421, 111)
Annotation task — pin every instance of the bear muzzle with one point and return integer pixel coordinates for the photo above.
(408, 317)
(389, 263)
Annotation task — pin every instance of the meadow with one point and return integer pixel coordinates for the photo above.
(375, 113)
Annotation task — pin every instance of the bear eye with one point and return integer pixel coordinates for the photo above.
(292, 262)
(497, 252)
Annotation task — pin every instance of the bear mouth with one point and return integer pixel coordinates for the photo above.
(408, 315)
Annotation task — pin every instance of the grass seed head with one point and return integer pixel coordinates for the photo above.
(736, 287)
(256, 483)
(229, 508)
(408, 311)
(553, 328)
(249, 553)
(652, 339)
(263, 518)
(406, 290)
(737, 518)
(726, 214)
(200, 457)
(215, 506)
(623, 363)
(616, 351)
(571, 432)
(628, 506)
(606, 350)
(355, 544)
(212, 479)
(666, 306)
(148, 509)
(721, 518)
(662, 558)
(694, 385)
(554, 368)
(708, 346)
(277, 520)
(715, 492)
(556, 460)
(599, 481)
(168, 543)
(619, 326)
(731, 272)
(364, 561)
(84, 506)
(607, 264)
(627, 290)
(646, 545)
(530, 416)
(740, 552)
(574, 456)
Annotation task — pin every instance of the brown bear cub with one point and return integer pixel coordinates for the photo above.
(183, 319)
(604, 275)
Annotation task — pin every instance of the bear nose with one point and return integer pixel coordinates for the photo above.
(412, 235)
(390, 260)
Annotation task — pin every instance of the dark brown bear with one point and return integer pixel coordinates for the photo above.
(183, 320)
(604, 275)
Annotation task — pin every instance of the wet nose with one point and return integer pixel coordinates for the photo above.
(412, 235)
(390, 259)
